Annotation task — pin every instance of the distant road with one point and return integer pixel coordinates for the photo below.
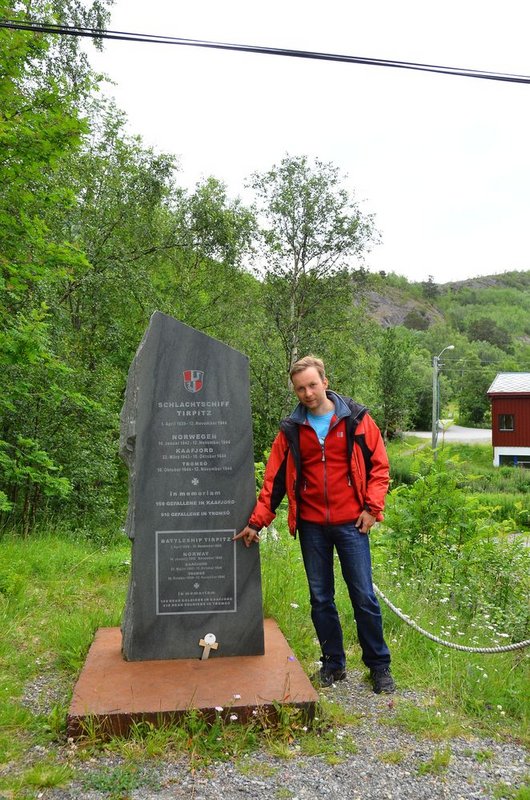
(457, 433)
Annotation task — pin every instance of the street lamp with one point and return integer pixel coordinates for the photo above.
(436, 394)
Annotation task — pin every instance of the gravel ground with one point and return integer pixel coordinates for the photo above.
(475, 768)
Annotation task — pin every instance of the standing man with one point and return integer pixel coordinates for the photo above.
(330, 459)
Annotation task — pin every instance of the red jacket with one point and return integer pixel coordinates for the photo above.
(329, 484)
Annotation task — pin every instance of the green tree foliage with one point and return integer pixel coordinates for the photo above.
(416, 320)
(444, 533)
(394, 380)
(310, 230)
(142, 244)
(95, 234)
(39, 125)
(430, 289)
(504, 301)
(467, 372)
(200, 279)
(120, 197)
(420, 371)
(475, 377)
(120, 219)
(486, 330)
(91, 227)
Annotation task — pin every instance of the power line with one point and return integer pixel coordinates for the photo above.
(471, 361)
(95, 33)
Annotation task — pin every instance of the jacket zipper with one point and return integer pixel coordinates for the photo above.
(324, 462)
(326, 504)
(326, 499)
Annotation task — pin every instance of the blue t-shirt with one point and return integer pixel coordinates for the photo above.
(320, 423)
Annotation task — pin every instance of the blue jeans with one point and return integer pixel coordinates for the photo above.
(353, 549)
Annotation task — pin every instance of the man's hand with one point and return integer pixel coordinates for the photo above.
(365, 522)
(248, 535)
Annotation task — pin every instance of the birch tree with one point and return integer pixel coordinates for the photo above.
(311, 229)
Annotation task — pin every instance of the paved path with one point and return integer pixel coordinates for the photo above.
(457, 433)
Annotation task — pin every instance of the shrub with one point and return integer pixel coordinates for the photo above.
(456, 541)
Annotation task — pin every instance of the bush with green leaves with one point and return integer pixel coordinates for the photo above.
(451, 539)
(429, 521)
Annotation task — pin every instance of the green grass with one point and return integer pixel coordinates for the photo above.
(54, 594)
(504, 791)
(328, 744)
(202, 740)
(256, 769)
(392, 757)
(483, 756)
(430, 722)
(468, 690)
(486, 692)
(28, 782)
(437, 764)
(504, 488)
(118, 781)
(55, 591)
(283, 793)
(448, 558)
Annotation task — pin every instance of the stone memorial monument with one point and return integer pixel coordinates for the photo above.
(186, 436)
(194, 594)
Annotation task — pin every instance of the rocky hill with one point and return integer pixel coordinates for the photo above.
(393, 307)
(392, 300)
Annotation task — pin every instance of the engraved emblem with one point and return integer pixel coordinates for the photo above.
(193, 380)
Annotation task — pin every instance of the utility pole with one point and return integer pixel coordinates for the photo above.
(434, 402)
(436, 366)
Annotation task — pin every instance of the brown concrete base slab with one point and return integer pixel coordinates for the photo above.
(113, 693)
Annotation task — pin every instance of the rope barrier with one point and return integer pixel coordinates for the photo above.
(502, 649)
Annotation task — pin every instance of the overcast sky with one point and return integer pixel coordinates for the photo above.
(443, 162)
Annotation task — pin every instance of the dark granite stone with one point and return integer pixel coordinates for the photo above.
(186, 435)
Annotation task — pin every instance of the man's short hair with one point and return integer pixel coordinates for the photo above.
(305, 363)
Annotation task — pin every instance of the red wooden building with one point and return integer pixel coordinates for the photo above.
(510, 418)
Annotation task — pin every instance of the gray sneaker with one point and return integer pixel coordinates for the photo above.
(382, 680)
